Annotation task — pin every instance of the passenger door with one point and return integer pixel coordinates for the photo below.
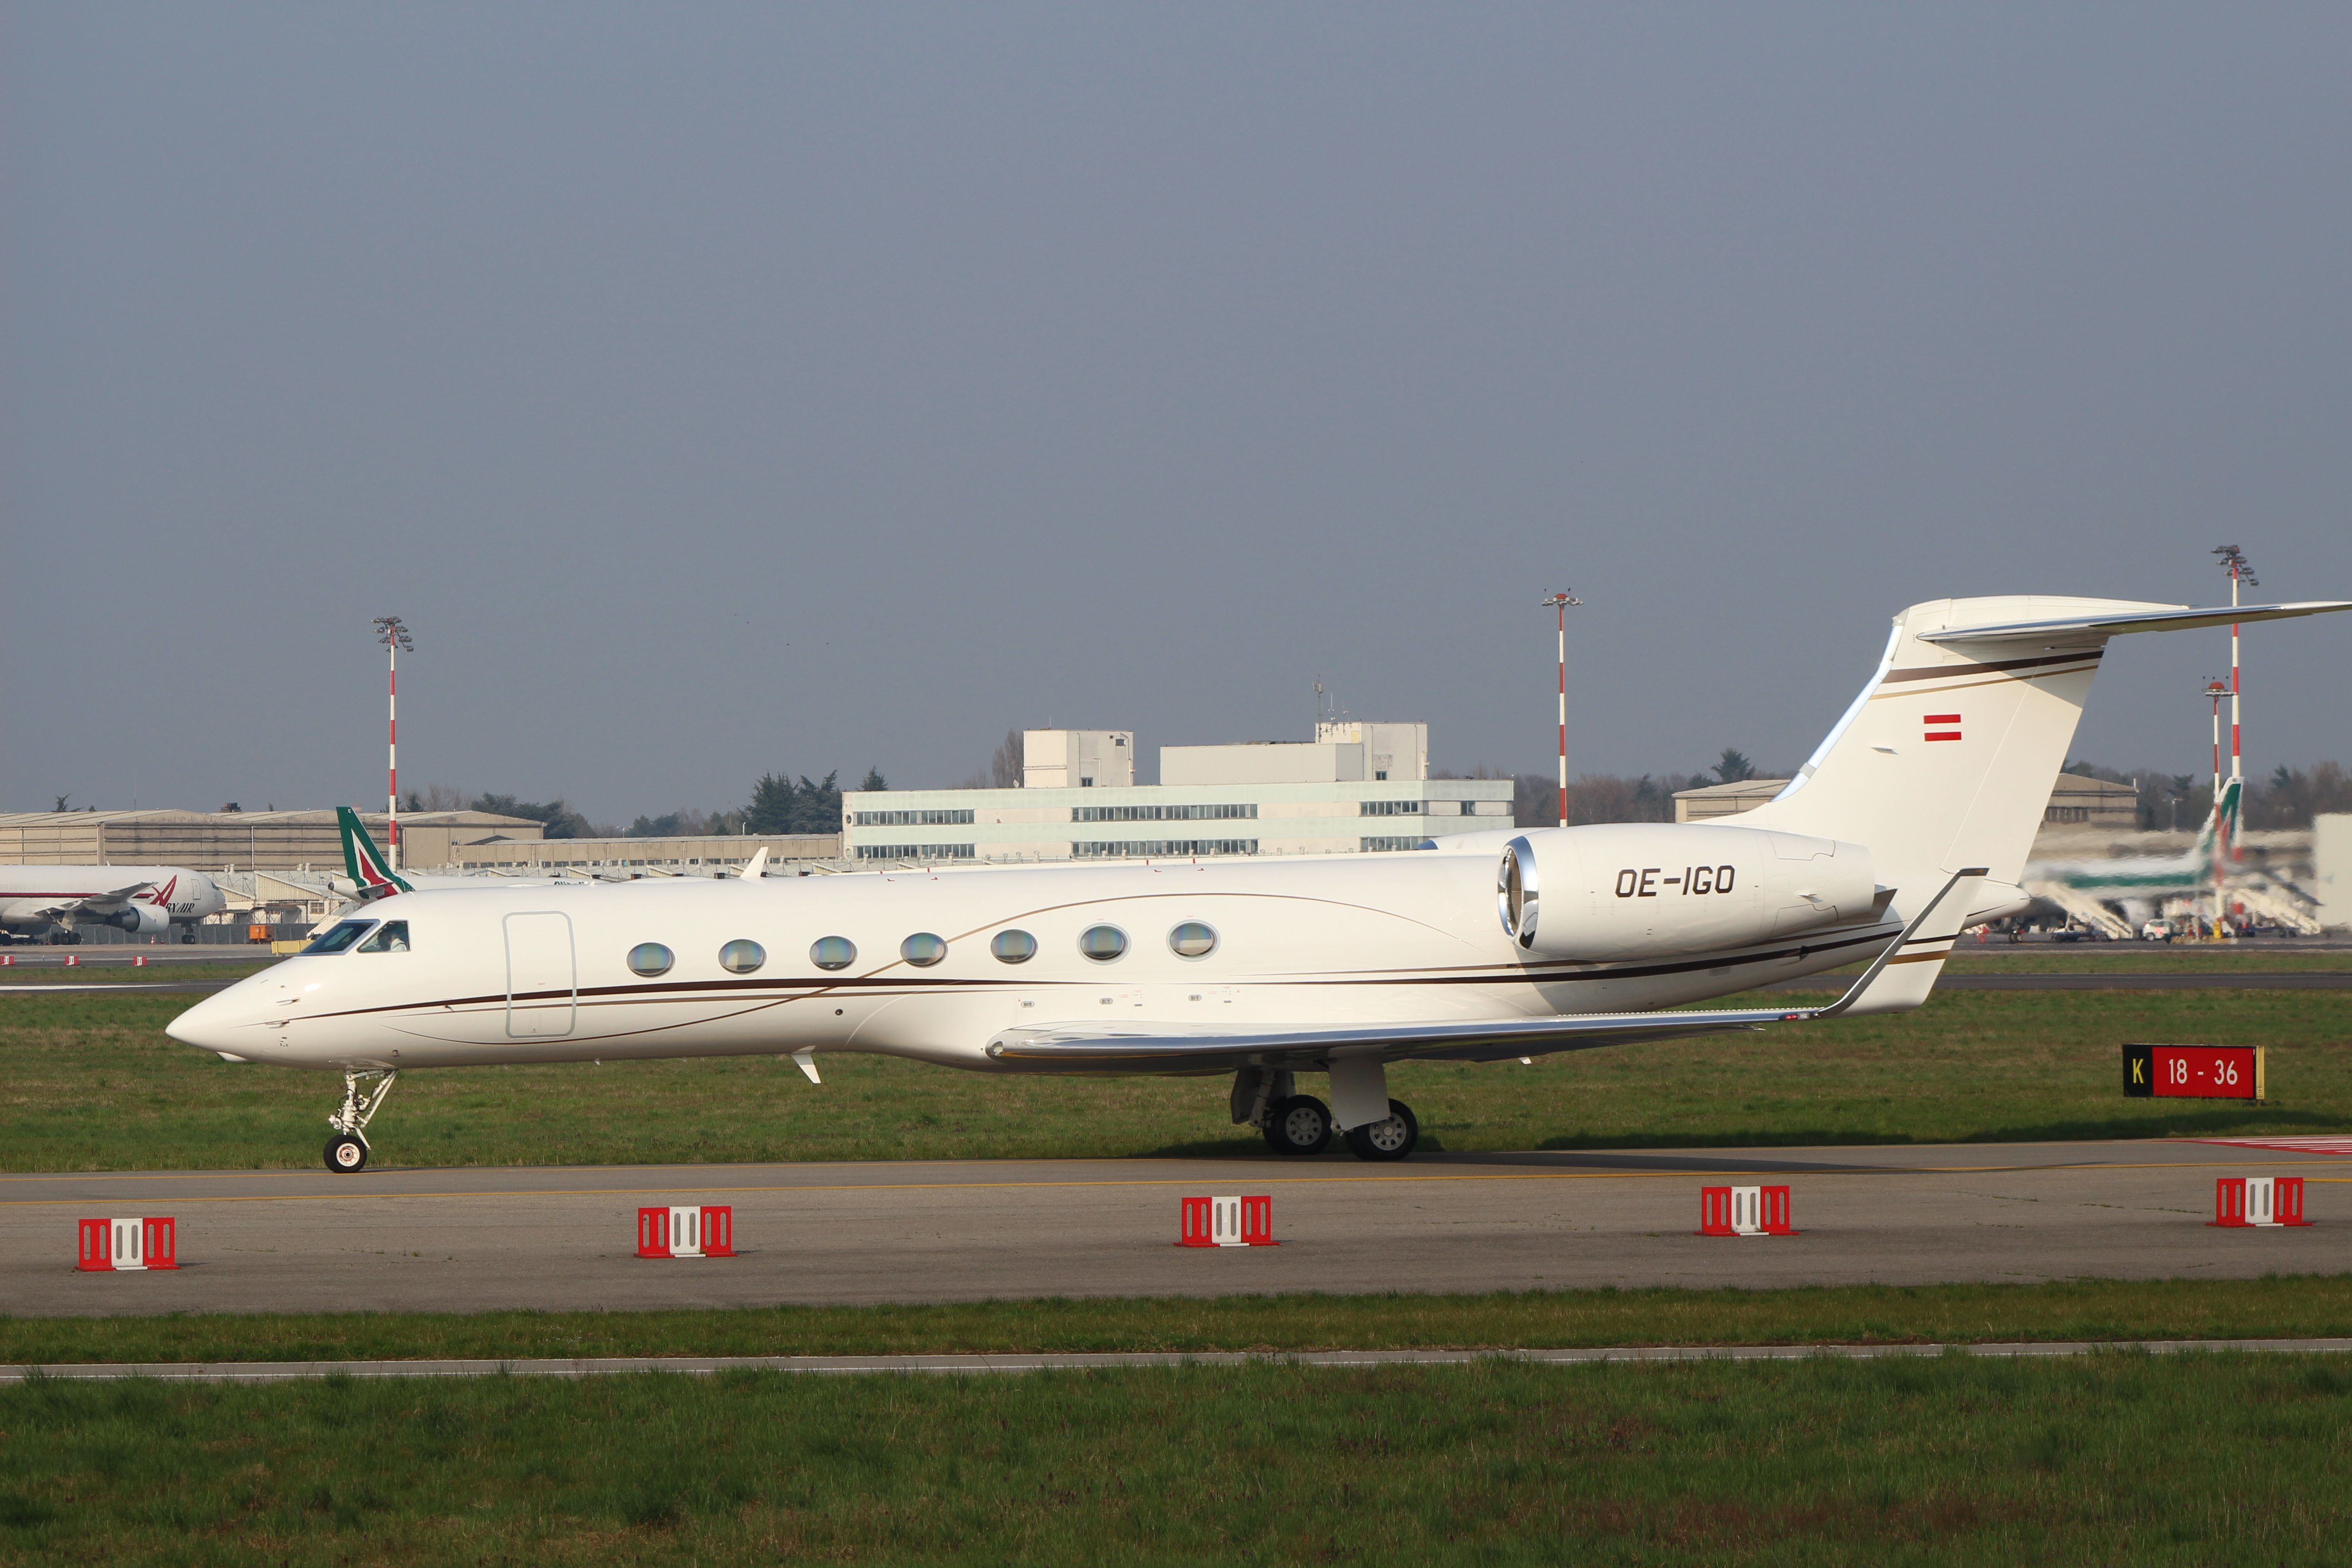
(541, 984)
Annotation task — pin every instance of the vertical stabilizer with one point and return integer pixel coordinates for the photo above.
(363, 862)
(1946, 759)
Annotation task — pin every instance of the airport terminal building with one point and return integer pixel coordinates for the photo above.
(1356, 788)
(241, 840)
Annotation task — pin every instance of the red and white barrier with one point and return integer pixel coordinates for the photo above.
(1744, 1211)
(139, 961)
(1227, 1222)
(705, 1232)
(2246, 1202)
(73, 961)
(122, 1246)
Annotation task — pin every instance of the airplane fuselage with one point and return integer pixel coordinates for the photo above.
(932, 965)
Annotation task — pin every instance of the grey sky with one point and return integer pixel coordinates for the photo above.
(721, 389)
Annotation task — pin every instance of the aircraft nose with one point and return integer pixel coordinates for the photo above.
(216, 1024)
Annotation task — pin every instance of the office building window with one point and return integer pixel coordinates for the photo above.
(1163, 848)
(1379, 844)
(1234, 812)
(916, 852)
(958, 818)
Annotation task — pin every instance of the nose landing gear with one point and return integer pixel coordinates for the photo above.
(363, 1094)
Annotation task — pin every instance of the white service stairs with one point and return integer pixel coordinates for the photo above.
(2086, 909)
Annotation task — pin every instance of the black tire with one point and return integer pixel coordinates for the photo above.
(1390, 1140)
(346, 1154)
(1300, 1125)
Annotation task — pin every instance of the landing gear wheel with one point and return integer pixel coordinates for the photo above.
(1299, 1125)
(1390, 1140)
(346, 1154)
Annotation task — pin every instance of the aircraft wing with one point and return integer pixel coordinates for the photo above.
(92, 900)
(1179, 1048)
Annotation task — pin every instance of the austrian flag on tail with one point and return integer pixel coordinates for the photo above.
(1935, 723)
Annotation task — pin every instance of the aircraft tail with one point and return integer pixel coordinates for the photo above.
(1945, 760)
(369, 872)
(2217, 841)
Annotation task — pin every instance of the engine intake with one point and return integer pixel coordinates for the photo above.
(1659, 889)
(141, 920)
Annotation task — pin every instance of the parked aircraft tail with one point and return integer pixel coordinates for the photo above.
(2216, 842)
(369, 872)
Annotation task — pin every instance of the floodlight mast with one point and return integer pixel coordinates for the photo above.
(1561, 603)
(2234, 561)
(394, 637)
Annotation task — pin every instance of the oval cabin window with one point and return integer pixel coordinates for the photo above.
(923, 950)
(1103, 943)
(650, 958)
(833, 952)
(741, 957)
(1193, 938)
(1013, 946)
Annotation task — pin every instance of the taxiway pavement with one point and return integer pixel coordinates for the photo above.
(563, 1238)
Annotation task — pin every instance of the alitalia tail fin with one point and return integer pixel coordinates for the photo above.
(369, 872)
(2216, 842)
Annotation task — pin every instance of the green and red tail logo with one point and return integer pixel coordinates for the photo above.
(369, 870)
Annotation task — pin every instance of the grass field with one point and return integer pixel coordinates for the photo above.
(92, 1082)
(2201, 1459)
(2301, 1307)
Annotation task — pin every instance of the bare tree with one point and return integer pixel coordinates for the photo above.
(1004, 769)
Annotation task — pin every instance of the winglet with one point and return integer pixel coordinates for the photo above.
(805, 1059)
(369, 872)
(756, 866)
(1906, 990)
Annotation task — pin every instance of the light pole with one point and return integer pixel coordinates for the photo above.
(2234, 561)
(1561, 602)
(2216, 690)
(394, 637)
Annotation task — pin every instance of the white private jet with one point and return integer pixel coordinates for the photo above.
(146, 900)
(1912, 820)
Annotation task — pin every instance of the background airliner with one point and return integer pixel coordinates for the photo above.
(146, 901)
(1912, 820)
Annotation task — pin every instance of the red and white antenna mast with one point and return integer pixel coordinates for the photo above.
(394, 637)
(2234, 561)
(1561, 602)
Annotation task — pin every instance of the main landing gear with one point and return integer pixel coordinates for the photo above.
(1300, 1124)
(363, 1095)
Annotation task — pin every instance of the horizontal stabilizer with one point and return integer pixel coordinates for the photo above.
(2090, 631)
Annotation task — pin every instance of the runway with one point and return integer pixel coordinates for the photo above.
(562, 1239)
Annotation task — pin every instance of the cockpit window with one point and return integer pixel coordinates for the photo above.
(390, 937)
(339, 937)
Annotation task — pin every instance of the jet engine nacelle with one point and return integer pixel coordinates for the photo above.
(141, 920)
(1660, 890)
